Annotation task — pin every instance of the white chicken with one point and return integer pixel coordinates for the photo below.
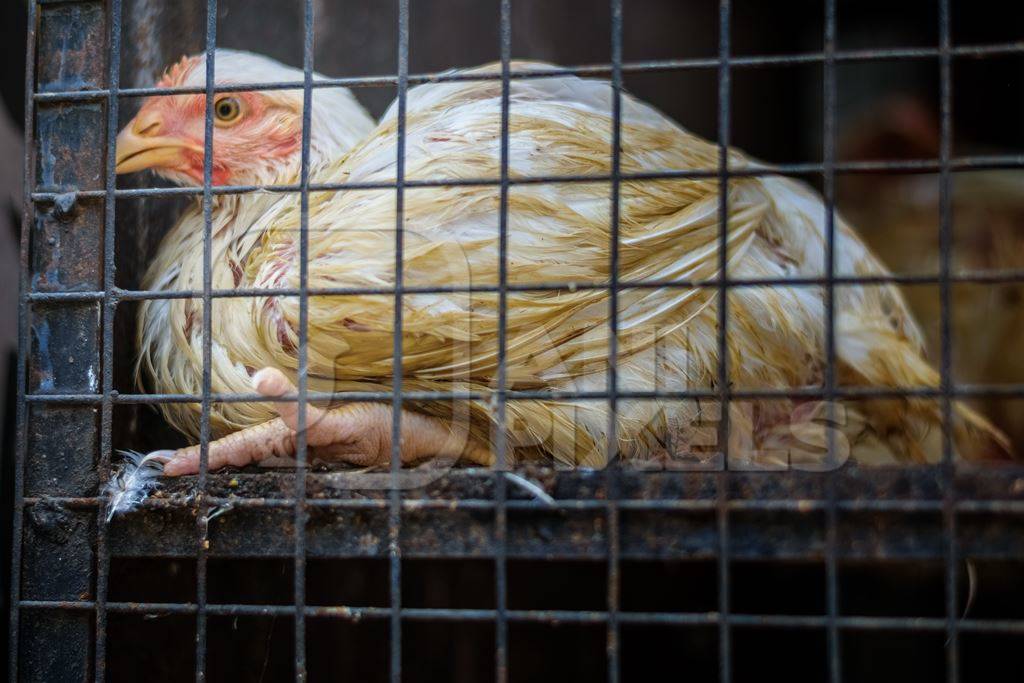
(557, 232)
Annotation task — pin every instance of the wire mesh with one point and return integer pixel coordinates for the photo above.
(615, 501)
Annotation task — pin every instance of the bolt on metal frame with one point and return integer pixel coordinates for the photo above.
(614, 504)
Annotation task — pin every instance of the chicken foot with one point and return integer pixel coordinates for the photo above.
(356, 433)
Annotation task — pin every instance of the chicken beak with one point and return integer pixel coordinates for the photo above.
(138, 148)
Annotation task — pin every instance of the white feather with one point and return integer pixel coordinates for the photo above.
(134, 481)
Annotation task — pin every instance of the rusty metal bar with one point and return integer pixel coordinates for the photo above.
(355, 614)
(829, 124)
(55, 552)
(202, 507)
(107, 344)
(395, 509)
(843, 56)
(500, 396)
(1002, 507)
(613, 542)
(964, 391)
(21, 437)
(301, 437)
(965, 163)
(975, 277)
(948, 465)
(722, 316)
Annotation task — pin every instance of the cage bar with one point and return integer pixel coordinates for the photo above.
(948, 465)
(500, 398)
(829, 380)
(722, 301)
(21, 371)
(974, 162)
(395, 509)
(107, 345)
(841, 56)
(202, 507)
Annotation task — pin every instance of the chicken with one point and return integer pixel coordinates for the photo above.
(557, 339)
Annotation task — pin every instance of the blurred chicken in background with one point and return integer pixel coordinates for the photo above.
(900, 221)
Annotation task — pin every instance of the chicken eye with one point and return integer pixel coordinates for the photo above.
(227, 109)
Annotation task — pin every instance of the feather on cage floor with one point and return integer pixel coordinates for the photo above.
(137, 477)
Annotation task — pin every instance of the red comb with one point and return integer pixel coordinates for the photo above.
(176, 73)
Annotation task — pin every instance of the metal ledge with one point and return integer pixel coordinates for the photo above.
(882, 514)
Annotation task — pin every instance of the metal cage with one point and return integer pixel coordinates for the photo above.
(63, 551)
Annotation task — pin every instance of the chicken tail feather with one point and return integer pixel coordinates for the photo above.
(875, 353)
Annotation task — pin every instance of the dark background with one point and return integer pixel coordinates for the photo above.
(776, 115)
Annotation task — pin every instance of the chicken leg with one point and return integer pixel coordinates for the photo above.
(357, 433)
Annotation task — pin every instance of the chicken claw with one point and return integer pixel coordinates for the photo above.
(356, 433)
